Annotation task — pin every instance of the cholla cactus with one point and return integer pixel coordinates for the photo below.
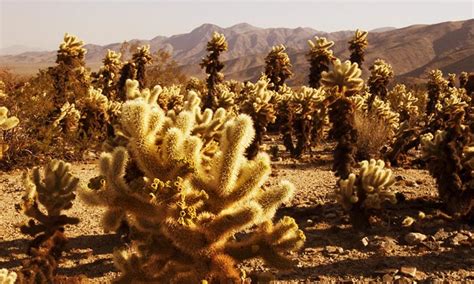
(213, 66)
(463, 77)
(357, 46)
(277, 66)
(259, 104)
(54, 193)
(319, 57)
(70, 77)
(380, 75)
(384, 112)
(184, 208)
(141, 58)
(304, 114)
(71, 51)
(345, 76)
(403, 102)
(2, 90)
(449, 156)
(451, 80)
(107, 76)
(224, 98)
(436, 85)
(6, 123)
(7, 277)
(369, 189)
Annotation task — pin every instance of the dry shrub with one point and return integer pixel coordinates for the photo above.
(372, 135)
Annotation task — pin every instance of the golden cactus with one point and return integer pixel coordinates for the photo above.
(345, 76)
(404, 102)
(6, 123)
(319, 57)
(380, 75)
(7, 277)
(357, 46)
(187, 203)
(213, 66)
(277, 66)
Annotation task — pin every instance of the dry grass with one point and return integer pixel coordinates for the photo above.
(372, 135)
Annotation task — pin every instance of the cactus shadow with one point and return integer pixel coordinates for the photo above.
(431, 264)
(10, 252)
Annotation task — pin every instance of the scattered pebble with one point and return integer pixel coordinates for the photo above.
(414, 238)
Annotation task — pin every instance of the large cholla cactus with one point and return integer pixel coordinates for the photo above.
(259, 104)
(304, 115)
(357, 46)
(450, 159)
(54, 193)
(6, 123)
(213, 66)
(463, 78)
(436, 85)
(194, 213)
(107, 76)
(369, 189)
(141, 58)
(319, 58)
(380, 75)
(278, 66)
(346, 78)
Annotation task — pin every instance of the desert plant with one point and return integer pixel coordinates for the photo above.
(44, 201)
(6, 123)
(369, 189)
(319, 58)
(463, 77)
(451, 80)
(193, 215)
(404, 102)
(449, 155)
(303, 116)
(277, 66)
(436, 85)
(345, 79)
(259, 104)
(70, 77)
(7, 277)
(141, 58)
(372, 135)
(357, 46)
(164, 70)
(380, 75)
(213, 66)
(107, 77)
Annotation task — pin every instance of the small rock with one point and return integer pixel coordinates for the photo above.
(365, 241)
(458, 239)
(410, 183)
(408, 270)
(440, 235)
(334, 249)
(414, 238)
(387, 278)
(309, 221)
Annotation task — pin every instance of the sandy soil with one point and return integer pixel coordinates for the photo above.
(333, 251)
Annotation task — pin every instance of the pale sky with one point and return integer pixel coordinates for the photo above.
(42, 24)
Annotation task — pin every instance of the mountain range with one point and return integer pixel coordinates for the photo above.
(412, 51)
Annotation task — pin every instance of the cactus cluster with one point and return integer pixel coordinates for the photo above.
(304, 115)
(404, 102)
(107, 76)
(190, 201)
(278, 66)
(449, 156)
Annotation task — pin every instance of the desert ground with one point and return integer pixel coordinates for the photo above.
(442, 249)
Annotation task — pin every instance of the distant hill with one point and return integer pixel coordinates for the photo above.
(412, 50)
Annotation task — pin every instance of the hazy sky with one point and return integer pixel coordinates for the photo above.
(42, 24)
